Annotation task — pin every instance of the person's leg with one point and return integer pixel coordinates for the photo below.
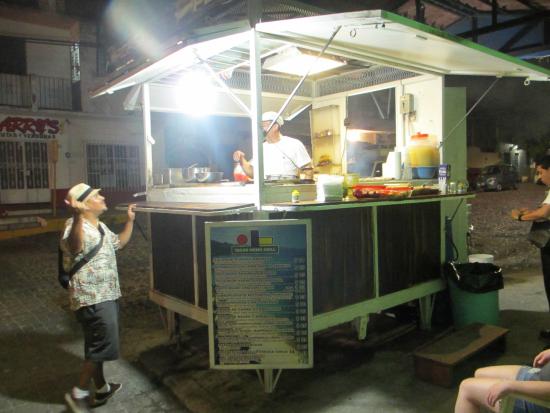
(107, 312)
(88, 371)
(99, 377)
(545, 259)
(472, 395)
(509, 372)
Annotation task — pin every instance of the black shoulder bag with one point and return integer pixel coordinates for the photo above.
(63, 276)
(539, 235)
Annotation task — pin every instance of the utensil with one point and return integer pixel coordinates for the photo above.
(208, 177)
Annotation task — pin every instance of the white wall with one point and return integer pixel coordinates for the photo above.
(82, 130)
(428, 103)
(48, 60)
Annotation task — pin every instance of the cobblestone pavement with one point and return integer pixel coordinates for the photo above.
(41, 345)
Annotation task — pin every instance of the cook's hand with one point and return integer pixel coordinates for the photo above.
(497, 391)
(238, 156)
(515, 213)
(76, 207)
(542, 358)
(131, 213)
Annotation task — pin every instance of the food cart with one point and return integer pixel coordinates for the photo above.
(218, 250)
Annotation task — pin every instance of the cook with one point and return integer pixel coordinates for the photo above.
(283, 156)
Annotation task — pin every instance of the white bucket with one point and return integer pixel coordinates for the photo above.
(486, 258)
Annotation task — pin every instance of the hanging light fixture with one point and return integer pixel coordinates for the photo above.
(296, 61)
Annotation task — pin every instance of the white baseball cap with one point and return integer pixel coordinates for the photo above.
(81, 192)
(269, 116)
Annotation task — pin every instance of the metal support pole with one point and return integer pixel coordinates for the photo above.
(195, 259)
(148, 140)
(289, 98)
(474, 28)
(420, 8)
(224, 86)
(444, 140)
(256, 118)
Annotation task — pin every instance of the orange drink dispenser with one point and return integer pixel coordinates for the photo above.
(423, 155)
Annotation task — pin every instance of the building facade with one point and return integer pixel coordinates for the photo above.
(52, 135)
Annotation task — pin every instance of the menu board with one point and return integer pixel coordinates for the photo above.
(259, 294)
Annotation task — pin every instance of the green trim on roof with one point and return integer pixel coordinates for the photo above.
(464, 42)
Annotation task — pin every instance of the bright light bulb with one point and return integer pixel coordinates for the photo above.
(354, 135)
(293, 61)
(195, 93)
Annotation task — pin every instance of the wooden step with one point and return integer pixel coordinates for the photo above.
(436, 362)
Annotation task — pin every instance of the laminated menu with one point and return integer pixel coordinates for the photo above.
(259, 294)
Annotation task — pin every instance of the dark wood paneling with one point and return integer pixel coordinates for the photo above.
(409, 252)
(172, 245)
(408, 245)
(342, 257)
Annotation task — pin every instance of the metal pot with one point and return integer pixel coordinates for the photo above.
(208, 177)
(193, 170)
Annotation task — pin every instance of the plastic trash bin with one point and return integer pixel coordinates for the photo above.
(474, 289)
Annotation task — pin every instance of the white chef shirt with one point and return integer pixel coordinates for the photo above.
(284, 157)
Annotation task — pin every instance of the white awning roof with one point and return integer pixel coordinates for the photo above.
(377, 38)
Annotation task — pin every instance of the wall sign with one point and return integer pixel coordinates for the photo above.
(259, 294)
(30, 128)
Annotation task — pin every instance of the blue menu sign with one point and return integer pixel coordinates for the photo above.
(259, 294)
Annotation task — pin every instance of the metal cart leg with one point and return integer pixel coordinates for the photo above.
(360, 324)
(267, 380)
(426, 305)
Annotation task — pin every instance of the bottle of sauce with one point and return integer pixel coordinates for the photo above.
(238, 173)
(295, 196)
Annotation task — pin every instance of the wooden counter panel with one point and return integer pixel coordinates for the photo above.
(342, 257)
(172, 246)
(409, 244)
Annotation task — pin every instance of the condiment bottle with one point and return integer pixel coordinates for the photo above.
(238, 173)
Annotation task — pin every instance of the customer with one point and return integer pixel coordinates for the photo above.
(93, 291)
(540, 213)
(491, 384)
(283, 156)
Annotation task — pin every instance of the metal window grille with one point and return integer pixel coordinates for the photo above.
(14, 90)
(36, 157)
(54, 93)
(23, 165)
(113, 166)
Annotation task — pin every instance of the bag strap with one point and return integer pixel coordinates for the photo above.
(88, 257)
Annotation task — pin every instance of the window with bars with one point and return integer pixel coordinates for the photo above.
(23, 165)
(113, 166)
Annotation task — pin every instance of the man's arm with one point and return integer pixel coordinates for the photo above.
(247, 166)
(126, 233)
(532, 215)
(75, 238)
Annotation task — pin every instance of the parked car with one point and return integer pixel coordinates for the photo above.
(497, 178)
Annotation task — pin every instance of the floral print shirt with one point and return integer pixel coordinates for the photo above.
(97, 281)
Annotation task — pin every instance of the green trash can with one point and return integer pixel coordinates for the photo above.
(474, 292)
